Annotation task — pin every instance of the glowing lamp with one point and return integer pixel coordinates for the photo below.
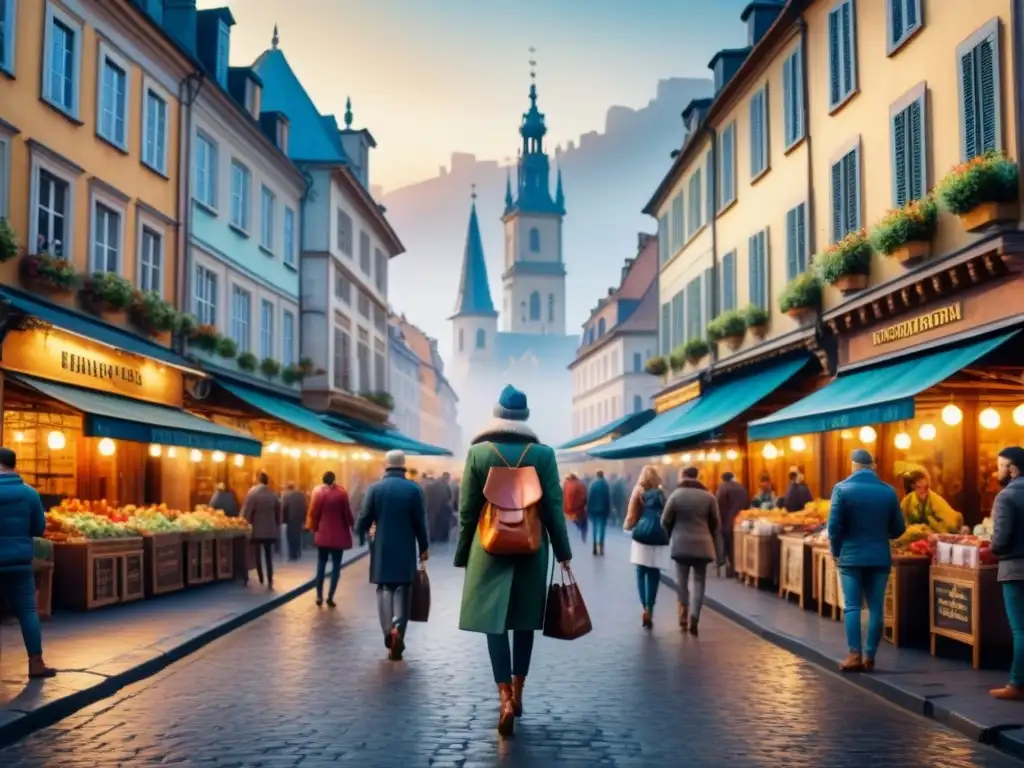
(156, 450)
(172, 452)
(323, 454)
(989, 418)
(927, 432)
(19, 437)
(951, 415)
(868, 435)
(846, 435)
(219, 457)
(311, 453)
(714, 456)
(686, 458)
(702, 456)
(770, 452)
(106, 447)
(239, 459)
(902, 441)
(195, 456)
(666, 459)
(731, 455)
(274, 447)
(798, 444)
(56, 441)
(1018, 416)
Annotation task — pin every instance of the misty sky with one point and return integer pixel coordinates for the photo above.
(429, 77)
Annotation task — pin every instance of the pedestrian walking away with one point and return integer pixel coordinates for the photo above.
(21, 519)
(619, 498)
(865, 514)
(692, 522)
(262, 510)
(643, 520)
(294, 504)
(394, 509)
(506, 592)
(574, 500)
(332, 523)
(1008, 546)
(732, 498)
(599, 508)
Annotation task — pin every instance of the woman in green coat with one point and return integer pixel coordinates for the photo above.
(506, 593)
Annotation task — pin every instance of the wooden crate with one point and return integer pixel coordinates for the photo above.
(164, 563)
(197, 553)
(760, 559)
(905, 593)
(92, 574)
(795, 568)
(965, 604)
(224, 553)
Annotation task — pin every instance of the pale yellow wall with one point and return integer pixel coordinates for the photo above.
(929, 57)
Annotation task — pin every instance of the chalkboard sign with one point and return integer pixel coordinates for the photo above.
(953, 606)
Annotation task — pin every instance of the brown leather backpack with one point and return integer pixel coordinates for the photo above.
(510, 520)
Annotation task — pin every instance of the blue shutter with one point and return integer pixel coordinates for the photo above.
(709, 194)
(797, 87)
(987, 96)
(709, 299)
(910, 12)
(899, 158)
(846, 35)
(801, 237)
(834, 58)
(753, 271)
(728, 291)
(755, 135)
(678, 320)
(915, 150)
(765, 272)
(837, 201)
(896, 20)
(666, 328)
(792, 262)
(789, 98)
(852, 201)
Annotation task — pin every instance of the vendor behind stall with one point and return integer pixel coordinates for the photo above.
(765, 498)
(924, 506)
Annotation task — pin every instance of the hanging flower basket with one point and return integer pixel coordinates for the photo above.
(227, 348)
(247, 361)
(696, 350)
(270, 368)
(905, 234)
(802, 297)
(656, 366)
(729, 328)
(107, 295)
(846, 264)
(47, 274)
(152, 315)
(982, 192)
(205, 338)
(757, 320)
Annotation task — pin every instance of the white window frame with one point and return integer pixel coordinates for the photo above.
(117, 207)
(212, 301)
(267, 328)
(794, 118)
(268, 212)
(211, 172)
(244, 198)
(759, 106)
(10, 36)
(287, 339)
(288, 233)
(242, 336)
(5, 173)
(40, 163)
(159, 163)
(843, 96)
(908, 32)
(918, 95)
(142, 223)
(109, 55)
(57, 14)
(724, 201)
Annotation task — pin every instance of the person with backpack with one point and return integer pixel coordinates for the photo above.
(643, 519)
(510, 511)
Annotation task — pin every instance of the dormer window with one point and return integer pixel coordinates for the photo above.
(252, 98)
(282, 136)
(223, 51)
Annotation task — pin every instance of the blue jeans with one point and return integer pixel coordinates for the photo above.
(647, 581)
(1013, 598)
(507, 661)
(19, 589)
(321, 571)
(860, 585)
(600, 528)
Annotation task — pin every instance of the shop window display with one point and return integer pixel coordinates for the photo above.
(47, 445)
(778, 458)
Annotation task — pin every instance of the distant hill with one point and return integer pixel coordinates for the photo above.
(608, 177)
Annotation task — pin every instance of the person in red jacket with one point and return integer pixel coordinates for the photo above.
(574, 502)
(332, 521)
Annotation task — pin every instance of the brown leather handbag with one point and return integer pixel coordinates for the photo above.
(510, 520)
(565, 614)
(419, 599)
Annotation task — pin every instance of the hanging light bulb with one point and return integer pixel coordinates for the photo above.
(332, 454)
(239, 460)
(770, 451)
(19, 437)
(951, 415)
(666, 459)
(218, 457)
(714, 456)
(296, 453)
(274, 447)
(902, 441)
(172, 452)
(106, 447)
(702, 456)
(323, 454)
(1018, 415)
(731, 455)
(867, 435)
(927, 432)
(156, 450)
(195, 456)
(311, 453)
(798, 444)
(989, 418)
(846, 435)
(56, 441)
(686, 458)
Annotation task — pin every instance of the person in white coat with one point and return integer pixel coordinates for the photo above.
(650, 541)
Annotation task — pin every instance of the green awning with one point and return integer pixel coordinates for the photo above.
(121, 418)
(287, 411)
(709, 413)
(877, 395)
(649, 440)
(623, 426)
(382, 438)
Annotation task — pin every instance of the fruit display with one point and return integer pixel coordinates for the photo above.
(984, 529)
(812, 516)
(913, 535)
(75, 520)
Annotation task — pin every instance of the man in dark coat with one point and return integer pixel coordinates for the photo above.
(732, 498)
(438, 494)
(394, 505)
(294, 505)
(619, 495)
(599, 507)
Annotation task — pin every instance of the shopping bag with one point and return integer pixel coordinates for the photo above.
(565, 615)
(419, 608)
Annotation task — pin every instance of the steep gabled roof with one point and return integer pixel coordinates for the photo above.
(474, 290)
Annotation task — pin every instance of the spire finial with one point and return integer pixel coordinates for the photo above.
(275, 39)
(348, 112)
(533, 75)
(472, 193)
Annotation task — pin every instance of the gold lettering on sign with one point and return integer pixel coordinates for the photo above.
(99, 369)
(920, 324)
(677, 397)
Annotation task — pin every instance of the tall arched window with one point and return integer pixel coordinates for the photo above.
(481, 338)
(462, 340)
(535, 305)
(534, 240)
(551, 307)
(600, 328)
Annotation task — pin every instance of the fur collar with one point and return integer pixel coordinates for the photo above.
(499, 428)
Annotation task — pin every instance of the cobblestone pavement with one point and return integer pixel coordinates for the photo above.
(308, 687)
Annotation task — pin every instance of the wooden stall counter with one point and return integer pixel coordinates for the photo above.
(95, 573)
(795, 568)
(760, 559)
(965, 604)
(905, 593)
(198, 553)
(739, 557)
(164, 563)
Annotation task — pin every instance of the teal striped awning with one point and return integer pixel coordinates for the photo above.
(617, 428)
(381, 438)
(288, 411)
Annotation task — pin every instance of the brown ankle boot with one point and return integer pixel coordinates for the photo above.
(506, 710)
(1008, 692)
(852, 663)
(518, 681)
(37, 669)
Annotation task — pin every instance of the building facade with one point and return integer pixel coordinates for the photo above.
(438, 414)
(404, 381)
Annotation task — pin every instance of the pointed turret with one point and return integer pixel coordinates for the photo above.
(508, 190)
(533, 190)
(560, 194)
(474, 291)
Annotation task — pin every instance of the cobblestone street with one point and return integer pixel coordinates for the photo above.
(311, 687)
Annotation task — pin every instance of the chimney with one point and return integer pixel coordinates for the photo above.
(759, 16)
(179, 19)
(213, 41)
(725, 64)
(694, 114)
(357, 143)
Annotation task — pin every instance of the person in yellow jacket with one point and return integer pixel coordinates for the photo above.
(924, 506)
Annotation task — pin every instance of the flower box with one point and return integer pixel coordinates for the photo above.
(905, 234)
(802, 296)
(989, 214)
(846, 264)
(851, 283)
(910, 254)
(982, 192)
(800, 313)
(46, 274)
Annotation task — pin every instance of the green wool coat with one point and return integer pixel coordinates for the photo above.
(504, 592)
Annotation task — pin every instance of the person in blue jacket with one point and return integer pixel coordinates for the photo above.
(599, 508)
(21, 518)
(865, 515)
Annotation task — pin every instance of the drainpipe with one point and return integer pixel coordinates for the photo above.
(1017, 33)
(188, 92)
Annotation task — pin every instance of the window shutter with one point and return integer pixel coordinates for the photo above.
(753, 270)
(970, 126)
(852, 197)
(755, 134)
(798, 91)
(801, 238)
(986, 64)
(837, 201)
(709, 298)
(896, 17)
(846, 34)
(915, 128)
(899, 157)
(788, 98)
(666, 328)
(833, 56)
(709, 202)
(792, 265)
(910, 14)
(765, 272)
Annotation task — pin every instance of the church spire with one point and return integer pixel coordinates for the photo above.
(559, 193)
(533, 188)
(474, 291)
(508, 189)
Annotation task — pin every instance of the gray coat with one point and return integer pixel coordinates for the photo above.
(1008, 530)
(396, 506)
(226, 502)
(262, 508)
(294, 506)
(691, 520)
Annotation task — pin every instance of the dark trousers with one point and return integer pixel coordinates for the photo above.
(510, 660)
(393, 603)
(647, 581)
(267, 550)
(294, 533)
(322, 554)
(1013, 598)
(582, 525)
(600, 528)
(18, 588)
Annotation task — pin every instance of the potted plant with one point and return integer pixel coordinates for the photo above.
(307, 368)
(152, 314)
(905, 234)
(846, 264)
(292, 374)
(205, 337)
(756, 318)
(247, 361)
(44, 273)
(656, 366)
(802, 296)
(107, 294)
(270, 368)
(227, 348)
(695, 350)
(383, 399)
(677, 359)
(982, 192)
(187, 325)
(8, 241)
(729, 327)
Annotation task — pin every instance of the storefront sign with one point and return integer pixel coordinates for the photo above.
(953, 606)
(677, 397)
(67, 359)
(920, 324)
